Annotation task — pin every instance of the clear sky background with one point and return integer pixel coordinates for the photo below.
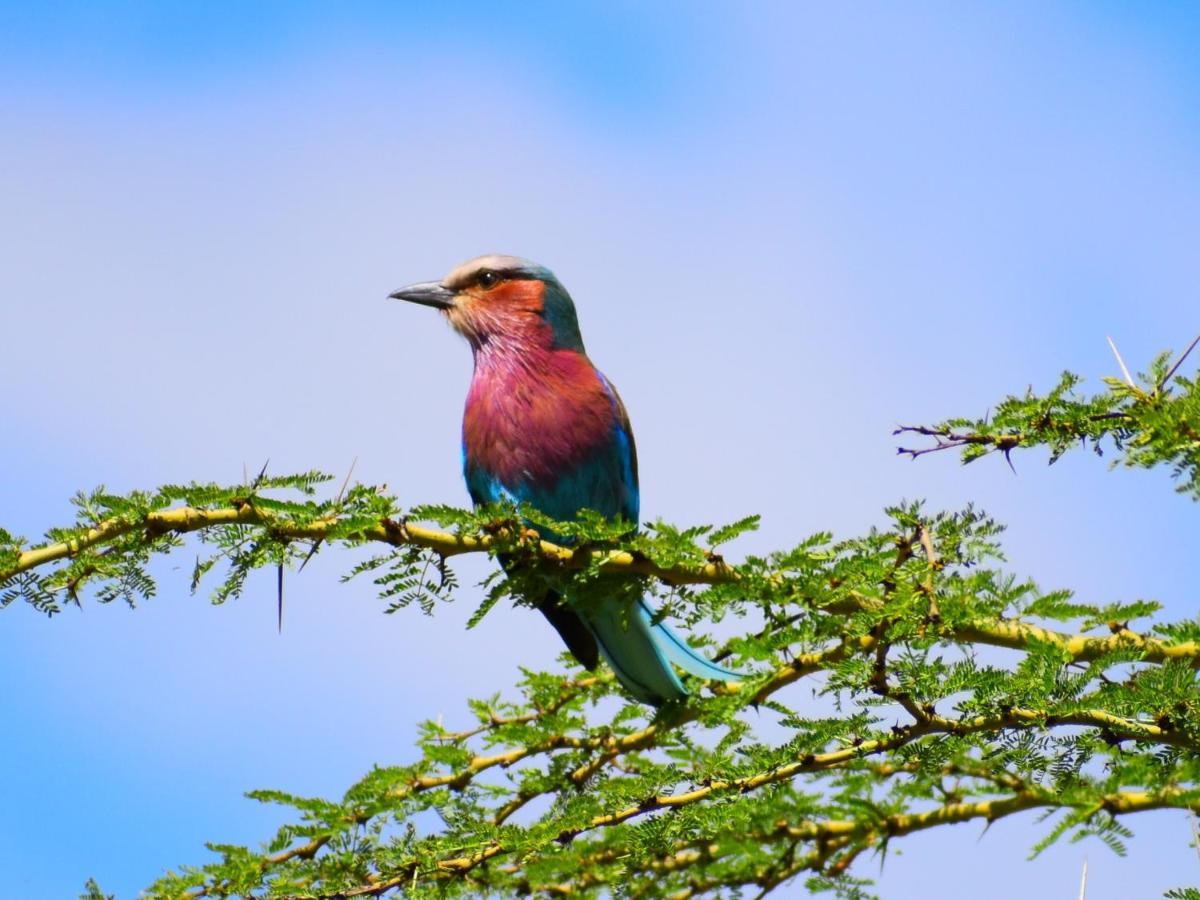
(786, 229)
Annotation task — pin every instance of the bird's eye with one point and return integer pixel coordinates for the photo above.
(488, 278)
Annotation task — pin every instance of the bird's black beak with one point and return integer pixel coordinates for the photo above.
(427, 293)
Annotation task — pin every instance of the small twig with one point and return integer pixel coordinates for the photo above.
(945, 439)
(1121, 363)
(1175, 368)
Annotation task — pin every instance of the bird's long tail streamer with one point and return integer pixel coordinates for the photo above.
(641, 653)
(636, 657)
(678, 651)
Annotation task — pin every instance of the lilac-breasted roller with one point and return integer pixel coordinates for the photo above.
(543, 426)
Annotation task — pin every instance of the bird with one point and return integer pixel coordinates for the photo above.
(543, 426)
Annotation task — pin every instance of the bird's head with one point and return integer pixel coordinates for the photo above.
(502, 301)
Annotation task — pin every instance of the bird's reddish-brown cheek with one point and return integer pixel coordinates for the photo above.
(507, 306)
(519, 295)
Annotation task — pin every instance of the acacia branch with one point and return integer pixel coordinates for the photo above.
(837, 833)
(899, 824)
(1013, 634)
(187, 519)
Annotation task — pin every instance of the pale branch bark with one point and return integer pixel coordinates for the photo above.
(1024, 796)
(185, 520)
(832, 835)
(1013, 634)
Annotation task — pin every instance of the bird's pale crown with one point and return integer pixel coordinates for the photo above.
(468, 273)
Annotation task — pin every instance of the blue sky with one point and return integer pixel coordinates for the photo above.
(786, 229)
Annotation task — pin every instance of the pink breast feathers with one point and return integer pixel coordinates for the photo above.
(529, 422)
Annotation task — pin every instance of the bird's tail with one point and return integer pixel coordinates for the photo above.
(641, 653)
(678, 651)
(628, 645)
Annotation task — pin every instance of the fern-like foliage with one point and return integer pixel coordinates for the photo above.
(1149, 420)
(950, 690)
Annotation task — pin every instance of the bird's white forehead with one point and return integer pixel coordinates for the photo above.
(464, 273)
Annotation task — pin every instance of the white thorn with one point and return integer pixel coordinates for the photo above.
(1120, 362)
